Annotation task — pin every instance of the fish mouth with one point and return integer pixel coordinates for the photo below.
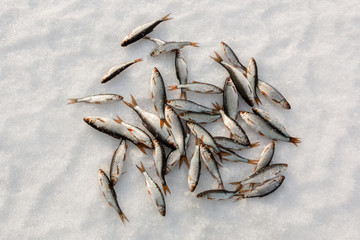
(155, 70)
(87, 120)
(162, 212)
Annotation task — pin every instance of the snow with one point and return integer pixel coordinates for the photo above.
(55, 50)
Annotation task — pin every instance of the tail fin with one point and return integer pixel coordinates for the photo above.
(118, 120)
(72, 100)
(166, 18)
(139, 60)
(239, 185)
(221, 186)
(223, 154)
(142, 168)
(166, 188)
(257, 100)
(183, 95)
(254, 145)
(217, 108)
(240, 196)
(183, 159)
(253, 162)
(172, 88)
(295, 141)
(123, 217)
(194, 44)
(218, 58)
(142, 147)
(133, 104)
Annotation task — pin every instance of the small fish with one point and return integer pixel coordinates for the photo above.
(262, 175)
(230, 99)
(117, 162)
(252, 76)
(174, 156)
(97, 99)
(241, 82)
(232, 144)
(190, 106)
(154, 191)
(198, 87)
(142, 31)
(230, 156)
(211, 165)
(160, 164)
(264, 128)
(265, 157)
(171, 47)
(233, 58)
(235, 129)
(152, 123)
(117, 70)
(158, 95)
(204, 135)
(217, 194)
(181, 71)
(272, 121)
(178, 132)
(194, 169)
(264, 189)
(199, 117)
(109, 194)
(272, 94)
(155, 40)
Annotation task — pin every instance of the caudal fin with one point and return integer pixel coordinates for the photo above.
(166, 18)
(253, 162)
(217, 108)
(221, 186)
(142, 168)
(254, 145)
(257, 100)
(166, 188)
(194, 44)
(183, 159)
(183, 95)
(72, 100)
(139, 60)
(133, 104)
(218, 58)
(172, 88)
(142, 147)
(238, 187)
(222, 155)
(295, 141)
(123, 217)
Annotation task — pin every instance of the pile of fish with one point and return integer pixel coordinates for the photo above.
(167, 128)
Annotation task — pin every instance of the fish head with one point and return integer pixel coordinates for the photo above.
(168, 109)
(192, 185)
(190, 125)
(90, 120)
(155, 72)
(169, 102)
(285, 104)
(284, 166)
(155, 53)
(244, 114)
(120, 98)
(162, 211)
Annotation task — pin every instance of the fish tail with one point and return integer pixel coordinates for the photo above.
(217, 108)
(133, 104)
(253, 162)
(218, 58)
(72, 100)
(166, 188)
(172, 88)
(123, 217)
(239, 196)
(223, 154)
(142, 168)
(257, 100)
(183, 159)
(221, 186)
(194, 44)
(166, 17)
(139, 60)
(284, 104)
(254, 145)
(183, 95)
(142, 147)
(295, 141)
(231, 135)
(239, 185)
(118, 120)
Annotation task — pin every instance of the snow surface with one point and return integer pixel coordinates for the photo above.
(55, 50)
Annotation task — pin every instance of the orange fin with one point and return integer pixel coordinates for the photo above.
(217, 108)
(221, 186)
(166, 18)
(253, 162)
(100, 120)
(172, 88)
(261, 134)
(194, 44)
(142, 168)
(118, 120)
(183, 159)
(257, 100)
(141, 147)
(254, 145)
(218, 58)
(183, 95)
(139, 60)
(123, 217)
(72, 100)
(295, 141)
(232, 135)
(166, 188)
(133, 104)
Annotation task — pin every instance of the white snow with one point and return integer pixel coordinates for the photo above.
(55, 50)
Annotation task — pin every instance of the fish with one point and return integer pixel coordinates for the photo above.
(158, 95)
(171, 47)
(117, 162)
(181, 71)
(252, 76)
(160, 164)
(264, 128)
(114, 71)
(154, 191)
(155, 40)
(264, 174)
(236, 131)
(230, 99)
(97, 99)
(271, 120)
(217, 194)
(241, 82)
(202, 134)
(264, 189)
(142, 31)
(232, 144)
(194, 169)
(233, 59)
(152, 123)
(142, 136)
(198, 87)
(174, 156)
(211, 165)
(197, 117)
(109, 194)
(230, 156)
(272, 94)
(189, 106)
(178, 132)
(265, 157)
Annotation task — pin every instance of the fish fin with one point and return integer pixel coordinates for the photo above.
(183, 159)
(100, 120)
(172, 88)
(261, 134)
(72, 100)
(123, 217)
(194, 44)
(256, 144)
(253, 162)
(295, 140)
(166, 18)
(217, 108)
(238, 187)
(167, 124)
(142, 148)
(133, 104)
(161, 122)
(240, 196)
(118, 120)
(139, 60)
(166, 188)
(252, 186)
(257, 100)
(232, 135)
(142, 168)
(183, 95)
(218, 58)
(221, 186)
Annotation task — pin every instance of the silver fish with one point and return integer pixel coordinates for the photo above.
(181, 71)
(199, 117)
(240, 81)
(265, 129)
(230, 156)
(117, 162)
(142, 30)
(235, 129)
(171, 47)
(152, 123)
(233, 58)
(202, 134)
(265, 157)
(114, 71)
(211, 165)
(194, 169)
(230, 99)
(232, 144)
(97, 99)
(158, 94)
(178, 132)
(198, 87)
(154, 191)
(155, 40)
(252, 76)
(272, 121)
(109, 194)
(160, 164)
(190, 106)
(272, 94)
(175, 155)
(217, 194)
